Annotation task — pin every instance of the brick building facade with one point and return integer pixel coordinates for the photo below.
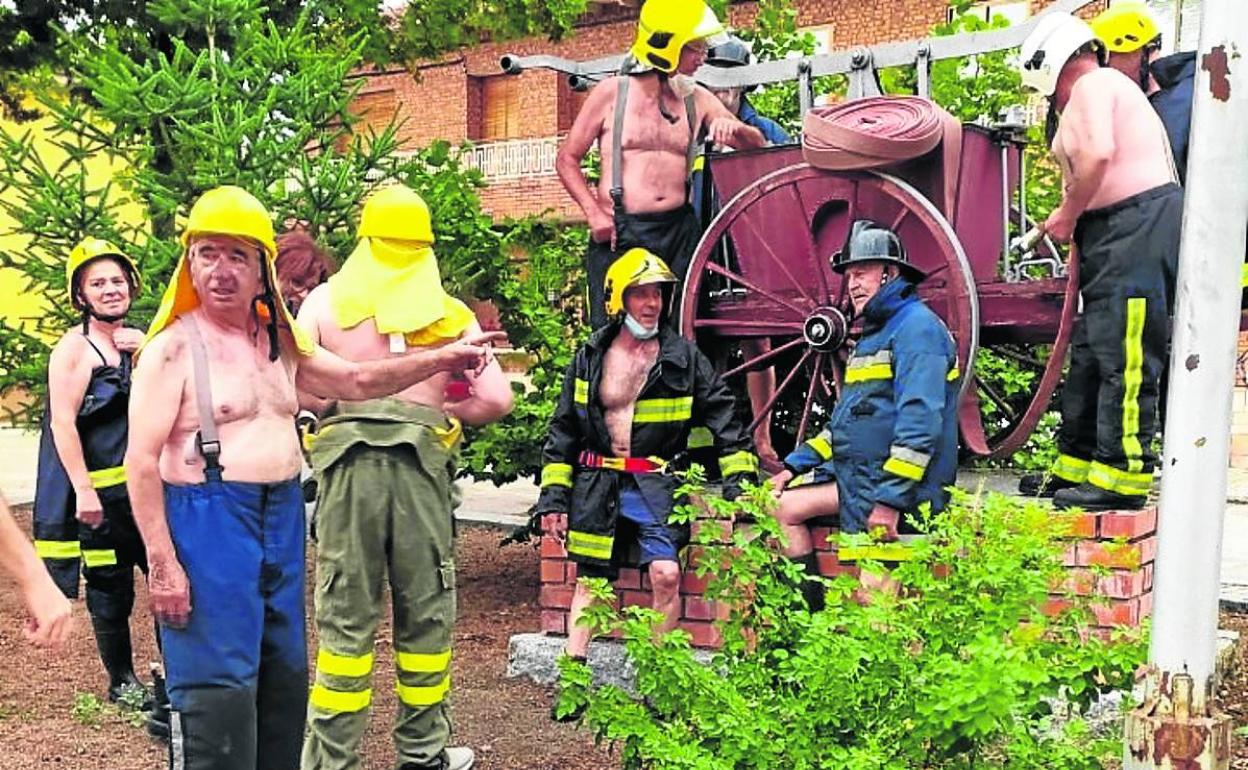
(515, 121)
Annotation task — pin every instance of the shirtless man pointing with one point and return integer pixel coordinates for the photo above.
(1123, 209)
(642, 197)
(212, 467)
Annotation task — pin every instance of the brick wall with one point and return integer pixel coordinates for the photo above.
(442, 100)
(1109, 557)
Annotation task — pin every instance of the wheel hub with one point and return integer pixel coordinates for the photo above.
(826, 329)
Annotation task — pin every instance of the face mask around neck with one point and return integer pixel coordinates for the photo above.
(682, 85)
(637, 330)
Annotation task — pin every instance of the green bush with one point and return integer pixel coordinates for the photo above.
(959, 670)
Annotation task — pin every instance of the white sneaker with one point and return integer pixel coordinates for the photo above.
(458, 758)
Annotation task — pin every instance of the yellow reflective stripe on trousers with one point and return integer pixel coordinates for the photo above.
(107, 477)
(423, 662)
(700, 437)
(1071, 469)
(580, 391)
(1117, 480)
(99, 557)
(58, 549)
(663, 409)
(738, 462)
(589, 545)
(900, 550)
(423, 696)
(953, 375)
(868, 373)
(557, 474)
(340, 701)
(1132, 377)
(343, 665)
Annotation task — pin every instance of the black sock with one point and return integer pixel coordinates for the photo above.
(812, 591)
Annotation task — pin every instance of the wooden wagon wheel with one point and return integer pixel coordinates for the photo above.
(1026, 320)
(774, 281)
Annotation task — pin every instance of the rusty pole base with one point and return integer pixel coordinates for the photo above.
(1166, 733)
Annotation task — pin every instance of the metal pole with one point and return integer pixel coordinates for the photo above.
(1178, 692)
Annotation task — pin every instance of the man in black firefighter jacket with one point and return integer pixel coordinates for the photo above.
(629, 398)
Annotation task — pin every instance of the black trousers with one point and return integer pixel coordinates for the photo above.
(670, 235)
(1128, 258)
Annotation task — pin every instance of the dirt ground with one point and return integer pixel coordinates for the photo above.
(504, 720)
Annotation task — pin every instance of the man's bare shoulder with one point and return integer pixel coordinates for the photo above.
(1103, 82)
(167, 347)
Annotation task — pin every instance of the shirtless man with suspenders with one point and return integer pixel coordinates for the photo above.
(1122, 208)
(642, 198)
(212, 468)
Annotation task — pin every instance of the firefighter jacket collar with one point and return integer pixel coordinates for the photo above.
(891, 297)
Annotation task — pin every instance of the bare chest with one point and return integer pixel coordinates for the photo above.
(245, 384)
(624, 373)
(646, 129)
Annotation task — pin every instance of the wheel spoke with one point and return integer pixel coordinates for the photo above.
(901, 217)
(999, 400)
(759, 360)
(938, 270)
(721, 270)
(816, 376)
(777, 261)
(771, 402)
(812, 248)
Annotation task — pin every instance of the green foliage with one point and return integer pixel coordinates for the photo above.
(959, 669)
(130, 705)
(424, 29)
(88, 709)
(539, 299)
(238, 100)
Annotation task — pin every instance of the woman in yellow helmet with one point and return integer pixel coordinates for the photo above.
(82, 512)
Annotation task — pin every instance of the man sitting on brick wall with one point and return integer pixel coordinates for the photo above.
(642, 197)
(892, 441)
(629, 398)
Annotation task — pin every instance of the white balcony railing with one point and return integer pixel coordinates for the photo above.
(513, 158)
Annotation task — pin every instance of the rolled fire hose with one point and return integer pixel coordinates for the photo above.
(872, 132)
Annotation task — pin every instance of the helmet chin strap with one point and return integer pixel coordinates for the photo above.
(266, 297)
(664, 85)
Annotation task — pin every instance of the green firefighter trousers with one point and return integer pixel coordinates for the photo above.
(385, 473)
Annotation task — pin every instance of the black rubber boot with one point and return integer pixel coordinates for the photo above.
(158, 717)
(214, 730)
(1092, 498)
(112, 637)
(1042, 484)
(812, 590)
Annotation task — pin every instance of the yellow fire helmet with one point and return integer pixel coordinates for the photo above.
(89, 250)
(235, 212)
(392, 275)
(666, 26)
(1126, 27)
(635, 267)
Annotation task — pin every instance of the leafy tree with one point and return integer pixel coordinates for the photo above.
(960, 667)
(236, 99)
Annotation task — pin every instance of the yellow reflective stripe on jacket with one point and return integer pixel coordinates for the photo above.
(590, 545)
(580, 391)
(821, 444)
(953, 375)
(663, 409)
(738, 462)
(107, 477)
(699, 163)
(343, 665)
(1243, 276)
(868, 373)
(417, 697)
(99, 557)
(58, 549)
(1117, 480)
(1132, 377)
(423, 662)
(1071, 469)
(906, 463)
(340, 701)
(556, 475)
(900, 550)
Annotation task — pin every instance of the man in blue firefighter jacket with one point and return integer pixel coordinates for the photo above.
(630, 396)
(892, 441)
